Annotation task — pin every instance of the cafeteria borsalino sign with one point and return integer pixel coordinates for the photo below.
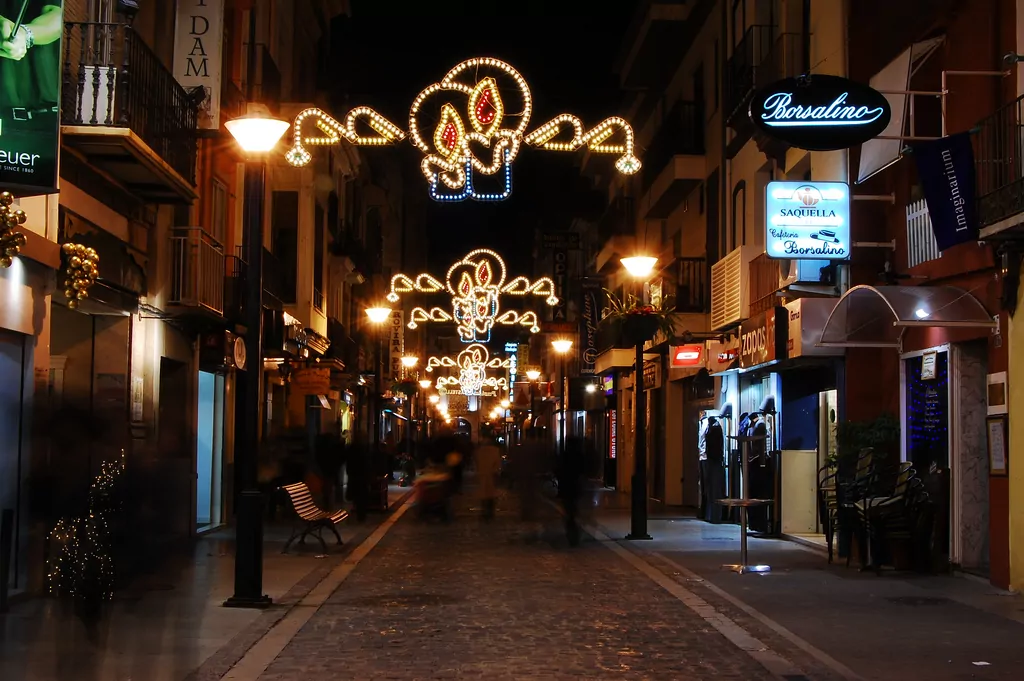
(807, 220)
(763, 338)
(820, 113)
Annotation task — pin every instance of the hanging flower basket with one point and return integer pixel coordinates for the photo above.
(638, 322)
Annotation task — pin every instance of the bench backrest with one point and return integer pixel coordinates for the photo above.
(302, 500)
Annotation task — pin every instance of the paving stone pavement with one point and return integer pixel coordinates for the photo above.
(470, 600)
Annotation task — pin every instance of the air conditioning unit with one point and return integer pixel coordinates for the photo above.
(730, 288)
(801, 272)
(96, 105)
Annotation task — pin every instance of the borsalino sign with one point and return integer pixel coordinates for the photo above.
(807, 220)
(820, 113)
(763, 338)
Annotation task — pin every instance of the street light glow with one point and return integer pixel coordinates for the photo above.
(639, 266)
(256, 134)
(505, 404)
(434, 399)
(425, 383)
(378, 315)
(409, 361)
(561, 346)
(532, 374)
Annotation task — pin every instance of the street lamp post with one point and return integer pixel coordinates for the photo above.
(640, 268)
(533, 375)
(562, 347)
(377, 316)
(408, 362)
(256, 135)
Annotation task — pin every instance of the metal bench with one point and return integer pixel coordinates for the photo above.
(316, 520)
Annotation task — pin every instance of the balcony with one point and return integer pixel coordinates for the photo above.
(692, 286)
(999, 168)
(653, 47)
(616, 231)
(731, 288)
(234, 288)
(761, 58)
(675, 164)
(197, 272)
(126, 114)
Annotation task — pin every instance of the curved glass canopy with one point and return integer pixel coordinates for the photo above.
(877, 316)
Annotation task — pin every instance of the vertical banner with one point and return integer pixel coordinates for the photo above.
(30, 78)
(198, 46)
(396, 343)
(588, 330)
(560, 256)
(946, 170)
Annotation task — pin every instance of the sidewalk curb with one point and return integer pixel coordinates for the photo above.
(773, 662)
(224, 659)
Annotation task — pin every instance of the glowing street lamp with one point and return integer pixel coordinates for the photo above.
(533, 374)
(378, 315)
(425, 384)
(434, 399)
(505, 404)
(639, 266)
(562, 346)
(409, 361)
(255, 135)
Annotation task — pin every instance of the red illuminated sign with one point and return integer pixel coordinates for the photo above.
(687, 355)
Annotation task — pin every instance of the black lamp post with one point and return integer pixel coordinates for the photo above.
(562, 347)
(640, 268)
(256, 135)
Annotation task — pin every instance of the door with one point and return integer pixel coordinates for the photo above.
(209, 448)
(12, 399)
(172, 471)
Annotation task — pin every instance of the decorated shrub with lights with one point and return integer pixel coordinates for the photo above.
(638, 321)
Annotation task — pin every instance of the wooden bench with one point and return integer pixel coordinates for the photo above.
(316, 520)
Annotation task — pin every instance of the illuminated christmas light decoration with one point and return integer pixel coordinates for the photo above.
(473, 116)
(472, 363)
(476, 284)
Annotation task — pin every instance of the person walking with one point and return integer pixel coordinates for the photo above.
(488, 468)
(571, 469)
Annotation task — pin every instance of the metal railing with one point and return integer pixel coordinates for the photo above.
(693, 291)
(921, 244)
(318, 300)
(111, 78)
(784, 60)
(197, 270)
(234, 286)
(619, 219)
(682, 132)
(740, 69)
(999, 164)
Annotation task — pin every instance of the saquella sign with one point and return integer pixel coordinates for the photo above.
(820, 113)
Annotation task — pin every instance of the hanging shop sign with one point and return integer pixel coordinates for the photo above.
(807, 220)
(470, 126)
(820, 113)
(311, 381)
(588, 331)
(721, 356)
(396, 343)
(198, 44)
(945, 168)
(763, 338)
(30, 98)
(807, 318)
(685, 356)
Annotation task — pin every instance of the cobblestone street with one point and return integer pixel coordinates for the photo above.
(486, 601)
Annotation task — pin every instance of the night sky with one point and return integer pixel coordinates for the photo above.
(565, 50)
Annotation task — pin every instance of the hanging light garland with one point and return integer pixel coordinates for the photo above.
(476, 284)
(473, 141)
(11, 240)
(81, 267)
(472, 363)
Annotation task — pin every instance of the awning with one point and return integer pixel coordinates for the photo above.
(893, 82)
(877, 316)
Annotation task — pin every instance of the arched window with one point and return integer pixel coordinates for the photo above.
(739, 214)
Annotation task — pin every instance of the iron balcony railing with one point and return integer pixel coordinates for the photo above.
(784, 60)
(681, 133)
(740, 69)
(197, 270)
(999, 164)
(693, 290)
(234, 287)
(112, 79)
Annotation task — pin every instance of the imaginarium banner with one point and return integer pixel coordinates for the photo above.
(30, 76)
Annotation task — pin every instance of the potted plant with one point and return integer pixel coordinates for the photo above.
(408, 387)
(637, 321)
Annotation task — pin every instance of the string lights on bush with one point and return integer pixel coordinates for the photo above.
(473, 133)
(476, 284)
(11, 240)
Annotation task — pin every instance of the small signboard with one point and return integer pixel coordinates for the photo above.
(569, 241)
(807, 220)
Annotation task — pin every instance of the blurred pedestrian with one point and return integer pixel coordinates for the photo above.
(359, 473)
(488, 468)
(571, 469)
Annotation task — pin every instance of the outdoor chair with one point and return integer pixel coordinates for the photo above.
(314, 519)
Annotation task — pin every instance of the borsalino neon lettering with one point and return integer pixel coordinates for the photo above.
(779, 113)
